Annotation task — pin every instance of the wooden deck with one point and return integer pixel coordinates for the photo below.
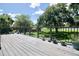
(21, 45)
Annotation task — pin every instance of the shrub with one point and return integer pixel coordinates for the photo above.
(63, 44)
(61, 36)
(55, 42)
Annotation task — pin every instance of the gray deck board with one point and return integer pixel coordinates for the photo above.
(1, 53)
(26, 48)
(21, 45)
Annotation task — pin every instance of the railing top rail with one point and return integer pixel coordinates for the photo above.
(64, 27)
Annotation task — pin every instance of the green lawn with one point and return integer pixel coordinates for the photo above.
(69, 34)
(46, 31)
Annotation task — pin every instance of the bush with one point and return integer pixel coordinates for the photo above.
(49, 40)
(55, 42)
(63, 44)
(61, 36)
(46, 35)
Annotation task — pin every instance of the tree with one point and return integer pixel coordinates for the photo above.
(64, 14)
(23, 23)
(74, 8)
(55, 16)
(5, 23)
(40, 24)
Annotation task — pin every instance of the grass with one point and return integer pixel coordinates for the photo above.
(71, 33)
(46, 31)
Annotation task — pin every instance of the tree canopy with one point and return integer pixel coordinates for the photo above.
(55, 16)
(23, 23)
(5, 23)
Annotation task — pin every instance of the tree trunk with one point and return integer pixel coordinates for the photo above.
(38, 32)
(29, 32)
(24, 31)
(56, 29)
(50, 33)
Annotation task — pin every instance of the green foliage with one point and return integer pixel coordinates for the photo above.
(23, 23)
(5, 23)
(56, 16)
(74, 7)
(61, 36)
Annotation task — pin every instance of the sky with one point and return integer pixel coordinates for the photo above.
(34, 10)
